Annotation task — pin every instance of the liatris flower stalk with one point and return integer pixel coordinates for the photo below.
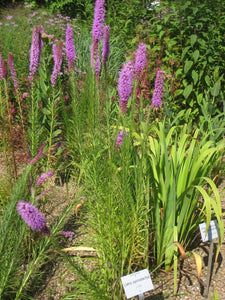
(35, 51)
(38, 156)
(0, 61)
(4, 68)
(13, 71)
(125, 85)
(32, 216)
(105, 48)
(70, 48)
(119, 140)
(57, 50)
(157, 96)
(98, 23)
(140, 59)
(42, 178)
(97, 29)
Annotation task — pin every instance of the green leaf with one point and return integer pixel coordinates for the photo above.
(186, 49)
(194, 75)
(193, 39)
(187, 91)
(46, 111)
(207, 80)
(187, 66)
(195, 55)
(199, 98)
(216, 89)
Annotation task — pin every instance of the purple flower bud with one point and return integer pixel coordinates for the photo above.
(35, 51)
(157, 96)
(31, 215)
(105, 48)
(49, 174)
(119, 140)
(4, 68)
(57, 51)
(70, 48)
(125, 85)
(98, 23)
(140, 58)
(95, 61)
(38, 156)
(41, 179)
(12, 70)
(68, 234)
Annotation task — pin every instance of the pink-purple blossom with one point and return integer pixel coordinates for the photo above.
(35, 51)
(105, 47)
(140, 59)
(119, 140)
(32, 216)
(57, 51)
(157, 95)
(13, 71)
(41, 179)
(98, 22)
(70, 48)
(125, 85)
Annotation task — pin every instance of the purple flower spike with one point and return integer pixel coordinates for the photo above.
(140, 58)
(35, 51)
(105, 49)
(31, 215)
(119, 140)
(98, 23)
(125, 85)
(49, 174)
(157, 96)
(57, 50)
(70, 48)
(38, 156)
(1, 62)
(41, 179)
(12, 70)
(4, 68)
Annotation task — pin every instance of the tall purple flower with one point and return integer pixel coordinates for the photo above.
(140, 59)
(13, 71)
(98, 23)
(157, 96)
(1, 61)
(70, 48)
(105, 48)
(57, 50)
(32, 216)
(4, 68)
(35, 51)
(119, 140)
(125, 85)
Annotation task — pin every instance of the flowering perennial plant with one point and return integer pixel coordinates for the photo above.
(32, 216)
(125, 84)
(105, 48)
(57, 50)
(70, 48)
(157, 96)
(140, 59)
(68, 234)
(13, 71)
(0, 62)
(98, 23)
(35, 51)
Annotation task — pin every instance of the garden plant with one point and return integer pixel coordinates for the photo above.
(124, 106)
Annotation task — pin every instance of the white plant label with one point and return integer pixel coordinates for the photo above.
(136, 284)
(213, 231)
